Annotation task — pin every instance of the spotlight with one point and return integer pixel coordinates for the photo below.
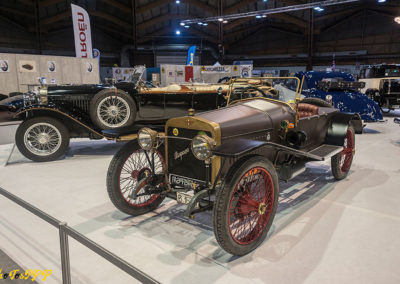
(200, 23)
(225, 22)
(178, 32)
(265, 0)
(182, 24)
(178, 2)
(264, 16)
(258, 16)
(186, 27)
(397, 20)
(220, 19)
(319, 9)
(205, 24)
(381, 1)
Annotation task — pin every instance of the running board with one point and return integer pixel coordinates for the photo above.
(325, 151)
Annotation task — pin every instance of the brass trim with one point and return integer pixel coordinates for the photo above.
(126, 138)
(201, 124)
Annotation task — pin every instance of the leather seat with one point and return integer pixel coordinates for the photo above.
(307, 110)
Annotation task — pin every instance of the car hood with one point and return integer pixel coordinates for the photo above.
(249, 117)
(75, 89)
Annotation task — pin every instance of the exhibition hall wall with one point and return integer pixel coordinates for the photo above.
(17, 71)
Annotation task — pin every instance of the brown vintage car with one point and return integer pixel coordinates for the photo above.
(229, 160)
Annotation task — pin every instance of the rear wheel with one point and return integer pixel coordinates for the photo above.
(341, 163)
(42, 139)
(245, 206)
(128, 167)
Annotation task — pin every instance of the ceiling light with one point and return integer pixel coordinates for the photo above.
(265, 0)
(178, 32)
(397, 20)
(177, 2)
(381, 1)
(205, 24)
(220, 19)
(200, 23)
(186, 27)
(264, 16)
(182, 24)
(319, 9)
(258, 16)
(225, 21)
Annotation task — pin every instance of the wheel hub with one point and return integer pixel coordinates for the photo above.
(141, 174)
(262, 208)
(113, 111)
(43, 138)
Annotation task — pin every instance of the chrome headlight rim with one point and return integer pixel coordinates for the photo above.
(147, 134)
(209, 145)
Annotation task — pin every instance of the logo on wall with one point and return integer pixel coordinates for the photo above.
(4, 66)
(51, 66)
(235, 68)
(89, 67)
(27, 66)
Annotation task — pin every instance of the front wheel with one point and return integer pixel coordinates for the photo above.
(42, 139)
(341, 163)
(245, 206)
(129, 166)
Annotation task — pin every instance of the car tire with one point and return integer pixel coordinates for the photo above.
(341, 162)
(42, 139)
(231, 201)
(126, 169)
(112, 108)
(316, 101)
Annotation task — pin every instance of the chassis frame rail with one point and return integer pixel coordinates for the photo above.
(65, 231)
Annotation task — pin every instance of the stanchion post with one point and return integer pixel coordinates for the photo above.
(66, 271)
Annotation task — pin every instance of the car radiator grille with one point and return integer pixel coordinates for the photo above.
(181, 160)
(81, 103)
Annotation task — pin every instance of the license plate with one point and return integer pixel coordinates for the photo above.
(185, 182)
(183, 198)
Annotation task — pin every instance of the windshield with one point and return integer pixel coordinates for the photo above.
(285, 89)
(137, 74)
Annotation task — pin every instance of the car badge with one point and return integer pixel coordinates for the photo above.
(291, 125)
(175, 131)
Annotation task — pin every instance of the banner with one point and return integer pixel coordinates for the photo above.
(82, 33)
(215, 69)
(190, 58)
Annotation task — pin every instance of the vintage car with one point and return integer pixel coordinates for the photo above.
(342, 91)
(382, 84)
(229, 160)
(53, 114)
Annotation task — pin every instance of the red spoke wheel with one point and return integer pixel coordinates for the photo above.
(245, 206)
(127, 168)
(341, 162)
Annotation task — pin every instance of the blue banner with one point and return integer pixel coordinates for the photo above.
(190, 58)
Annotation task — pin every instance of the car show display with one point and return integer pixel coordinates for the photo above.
(229, 160)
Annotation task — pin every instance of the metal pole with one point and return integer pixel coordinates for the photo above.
(64, 248)
(9, 156)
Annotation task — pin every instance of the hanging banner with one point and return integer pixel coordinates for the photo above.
(190, 58)
(82, 33)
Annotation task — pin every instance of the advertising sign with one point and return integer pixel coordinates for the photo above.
(51, 66)
(215, 69)
(82, 33)
(27, 66)
(4, 67)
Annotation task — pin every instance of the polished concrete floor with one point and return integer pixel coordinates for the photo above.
(324, 232)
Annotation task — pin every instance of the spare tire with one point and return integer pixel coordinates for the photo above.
(316, 101)
(112, 108)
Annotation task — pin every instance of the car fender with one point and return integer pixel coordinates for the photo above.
(57, 112)
(338, 127)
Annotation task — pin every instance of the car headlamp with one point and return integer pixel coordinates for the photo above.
(147, 138)
(43, 95)
(202, 146)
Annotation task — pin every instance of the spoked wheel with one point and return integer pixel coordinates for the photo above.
(341, 163)
(112, 109)
(129, 167)
(42, 139)
(245, 206)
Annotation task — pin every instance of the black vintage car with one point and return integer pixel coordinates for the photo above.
(53, 114)
(229, 161)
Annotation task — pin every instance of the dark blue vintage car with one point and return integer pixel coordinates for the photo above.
(341, 90)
